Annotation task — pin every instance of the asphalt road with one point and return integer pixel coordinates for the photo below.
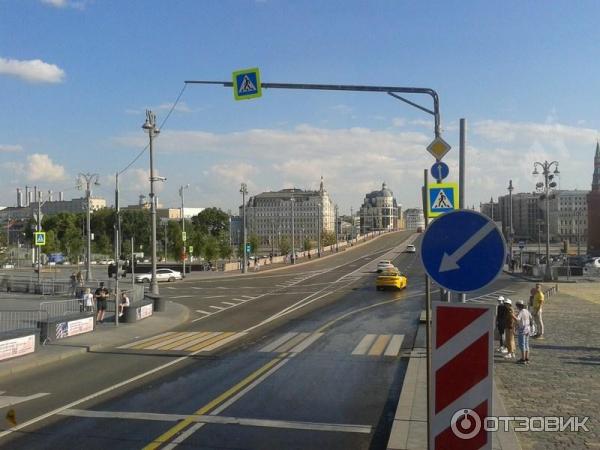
(304, 357)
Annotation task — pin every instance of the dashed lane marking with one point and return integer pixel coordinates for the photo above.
(181, 296)
(378, 345)
(203, 312)
(230, 304)
(218, 308)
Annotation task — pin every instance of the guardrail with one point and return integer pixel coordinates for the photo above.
(61, 308)
(21, 320)
(46, 286)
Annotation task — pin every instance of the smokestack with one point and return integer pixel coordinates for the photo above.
(29, 198)
(61, 196)
(49, 195)
(19, 198)
(35, 194)
(26, 195)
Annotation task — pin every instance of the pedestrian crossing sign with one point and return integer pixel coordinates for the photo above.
(442, 198)
(40, 238)
(246, 84)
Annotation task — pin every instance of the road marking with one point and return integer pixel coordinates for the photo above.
(222, 342)
(230, 304)
(171, 287)
(364, 344)
(214, 296)
(379, 345)
(8, 400)
(196, 287)
(247, 296)
(238, 300)
(203, 312)
(161, 343)
(225, 420)
(181, 296)
(393, 348)
(196, 340)
(184, 341)
(304, 344)
(292, 342)
(219, 308)
(209, 342)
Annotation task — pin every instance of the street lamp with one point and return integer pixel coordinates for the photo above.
(244, 191)
(292, 201)
(319, 229)
(150, 127)
(510, 219)
(181, 189)
(546, 188)
(89, 179)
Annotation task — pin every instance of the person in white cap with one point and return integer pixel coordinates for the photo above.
(509, 330)
(500, 324)
(524, 320)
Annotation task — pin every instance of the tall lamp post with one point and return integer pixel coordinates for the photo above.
(181, 192)
(319, 229)
(292, 201)
(89, 179)
(510, 221)
(546, 187)
(336, 228)
(244, 191)
(150, 127)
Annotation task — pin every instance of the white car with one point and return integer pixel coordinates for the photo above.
(161, 275)
(593, 263)
(383, 265)
(411, 249)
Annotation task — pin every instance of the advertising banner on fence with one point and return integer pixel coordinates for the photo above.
(144, 311)
(74, 327)
(17, 347)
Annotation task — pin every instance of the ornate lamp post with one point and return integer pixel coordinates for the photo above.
(546, 187)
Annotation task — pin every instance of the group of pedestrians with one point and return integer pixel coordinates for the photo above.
(100, 298)
(521, 322)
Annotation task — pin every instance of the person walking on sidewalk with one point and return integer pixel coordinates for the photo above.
(538, 303)
(509, 329)
(101, 295)
(500, 323)
(523, 319)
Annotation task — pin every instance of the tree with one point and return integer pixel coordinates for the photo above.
(212, 221)
(225, 250)
(284, 246)
(327, 238)
(254, 242)
(307, 245)
(210, 249)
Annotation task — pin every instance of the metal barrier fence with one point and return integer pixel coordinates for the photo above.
(21, 320)
(46, 286)
(61, 308)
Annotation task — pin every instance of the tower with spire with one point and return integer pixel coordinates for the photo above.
(593, 206)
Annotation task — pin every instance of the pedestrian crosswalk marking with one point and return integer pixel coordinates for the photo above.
(230, 304)
(203, 312)
(189, 341)
(292, 342)
(376, 345)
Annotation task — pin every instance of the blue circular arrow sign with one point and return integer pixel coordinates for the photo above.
(439, 170)
(463, 251)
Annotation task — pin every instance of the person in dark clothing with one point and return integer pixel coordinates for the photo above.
(501, 323)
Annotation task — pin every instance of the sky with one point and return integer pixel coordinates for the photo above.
(76, 77)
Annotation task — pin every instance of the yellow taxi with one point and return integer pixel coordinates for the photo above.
(390, 278)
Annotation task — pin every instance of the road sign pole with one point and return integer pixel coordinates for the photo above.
(461, 177)
(39, 228)
(427, 307)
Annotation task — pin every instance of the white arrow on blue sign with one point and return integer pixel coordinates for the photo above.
(439, 170)
(463, 251)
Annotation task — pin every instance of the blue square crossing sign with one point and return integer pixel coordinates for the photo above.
(246, 84)
(442, 198)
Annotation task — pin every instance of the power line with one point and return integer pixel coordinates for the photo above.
(139, 155)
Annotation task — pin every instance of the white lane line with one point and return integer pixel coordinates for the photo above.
(238, 300)
(273, 345)
(196, 287)
(217, 308)
(304, 344)
(230, 303)
(7, 400)
(181, 296)
(247, 296)
(224, 420)
(393, 348)
(214, 296)
(203, 312)
(292, 343)
(364, 344)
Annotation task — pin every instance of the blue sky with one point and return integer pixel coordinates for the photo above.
(76, 76)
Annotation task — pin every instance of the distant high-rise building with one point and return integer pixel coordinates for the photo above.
(414, 219)
(593, 208)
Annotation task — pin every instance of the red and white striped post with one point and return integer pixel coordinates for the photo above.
(462, 376)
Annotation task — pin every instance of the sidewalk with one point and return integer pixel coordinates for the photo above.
(105, 335)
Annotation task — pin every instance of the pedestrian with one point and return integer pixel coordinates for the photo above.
(538, 303)
(500, 324)
(124, 303)
(88, 300)
(73, 282)
(531, 295)
(257, 265)
(523, 319)
(101, 296)
(79, 277)
(509, 330)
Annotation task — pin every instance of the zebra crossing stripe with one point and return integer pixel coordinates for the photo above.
(393, 348)
(141, 341)
(200, 338)
(162, 343)
(273, 345)
(183, 342)
(209, 342)
(305, 343)
(379, 345)
(292, 342)
(222, 342)
(364, 344)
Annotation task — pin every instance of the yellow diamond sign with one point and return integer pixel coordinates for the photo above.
(438, 148)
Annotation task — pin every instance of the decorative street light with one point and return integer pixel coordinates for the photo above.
(546, 187)
(292, 201)
(244, 191)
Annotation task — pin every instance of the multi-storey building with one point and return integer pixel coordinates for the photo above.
(491, 209)
(593, 209)
(528, 217)
(568, 215)
(273, 215)
(414, 219)
(379, 211)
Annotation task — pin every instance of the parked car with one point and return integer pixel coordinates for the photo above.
(390, 278)
(161, 275)
(383, 265)
(593, 263)
(411, 249)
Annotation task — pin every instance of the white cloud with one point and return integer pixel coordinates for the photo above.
(40, 167)
(66, 3)
(34, 71)
(55, 3)
(7, 148)
(547, 133)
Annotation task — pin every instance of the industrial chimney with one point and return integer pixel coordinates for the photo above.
(61, 196)
(19, 198)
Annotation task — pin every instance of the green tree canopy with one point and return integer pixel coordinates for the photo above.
(211, 221)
